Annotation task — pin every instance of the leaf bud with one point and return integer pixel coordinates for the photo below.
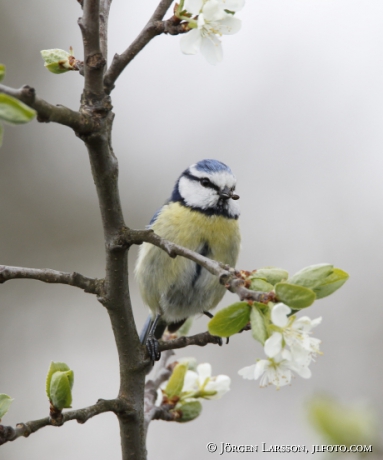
(188, 410)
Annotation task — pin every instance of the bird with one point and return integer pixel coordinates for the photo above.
(202, 215)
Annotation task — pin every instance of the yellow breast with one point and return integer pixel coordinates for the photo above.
(157, 273)
(191, 228)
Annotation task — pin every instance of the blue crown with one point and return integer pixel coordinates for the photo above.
(212, 166)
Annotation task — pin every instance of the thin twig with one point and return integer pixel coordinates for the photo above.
(200, 340)
(8, 433)
(228, 276)
(163, 373)
(91, 285)
(120, 61)
(164, 413)
(79, 122)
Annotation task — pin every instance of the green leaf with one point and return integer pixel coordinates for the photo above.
(56, 60)
(312, 276)
(176, 381)
(5, 402)
(1, 134)
(258, 284)
(14, 111)
(2, 71)
(230, 320)
(271, 275)
(188, 410)
(54, 367)
(258, 327)
(294, 296)
(60, 389)
(332, 283)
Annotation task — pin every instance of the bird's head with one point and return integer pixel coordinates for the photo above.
(209, 187)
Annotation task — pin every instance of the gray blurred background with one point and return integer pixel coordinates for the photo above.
(296, 109)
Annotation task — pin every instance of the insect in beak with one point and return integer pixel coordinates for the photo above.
(226, 193)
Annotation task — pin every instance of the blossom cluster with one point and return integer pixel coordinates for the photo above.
(187, 385)
(209, 19)
(289, 349)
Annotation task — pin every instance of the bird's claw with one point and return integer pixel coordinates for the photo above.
(152, 346)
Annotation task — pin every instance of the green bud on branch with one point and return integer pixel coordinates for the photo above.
(5, 402)
(188, 411)
(59, 61)
(59, 385)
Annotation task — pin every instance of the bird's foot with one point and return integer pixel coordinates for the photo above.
(152, 346)
(245, 328)
(219, 341)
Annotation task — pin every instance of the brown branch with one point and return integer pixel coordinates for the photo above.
(228, 276)
(46, 275)
(154, 27)
(104, 18)
(164, 413)
(163, 373)
(200, 340)
(8, 433)
(80, 123)
(94, 61)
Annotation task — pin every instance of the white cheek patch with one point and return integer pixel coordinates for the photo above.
(233, 208)
(197, 196)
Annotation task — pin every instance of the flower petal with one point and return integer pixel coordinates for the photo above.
(232, 5)
(204, 373)
(260, 367)
(191, 42)
(230, 25)
(303, 372)
(273, 344)
(220, 384)
(279, 314)
(190, 381)
(212, 11)
(193, 6)
(248, 372)
(211, 49)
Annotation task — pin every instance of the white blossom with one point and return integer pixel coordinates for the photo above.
(202, 384)
(292, 332)
(213, 21)
(282, 363)
(277, 370)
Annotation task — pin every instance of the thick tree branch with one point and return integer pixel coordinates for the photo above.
(104, 18)
(119, 407)
(154, 27)
(91, 285)
(94, 61)
(79, 122)
(228, 276)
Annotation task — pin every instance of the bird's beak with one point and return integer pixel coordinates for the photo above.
(226, 194)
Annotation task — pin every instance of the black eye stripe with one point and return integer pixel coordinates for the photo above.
(199, 179)
(208, 184)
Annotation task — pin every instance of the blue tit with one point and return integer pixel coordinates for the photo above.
(202, 215)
